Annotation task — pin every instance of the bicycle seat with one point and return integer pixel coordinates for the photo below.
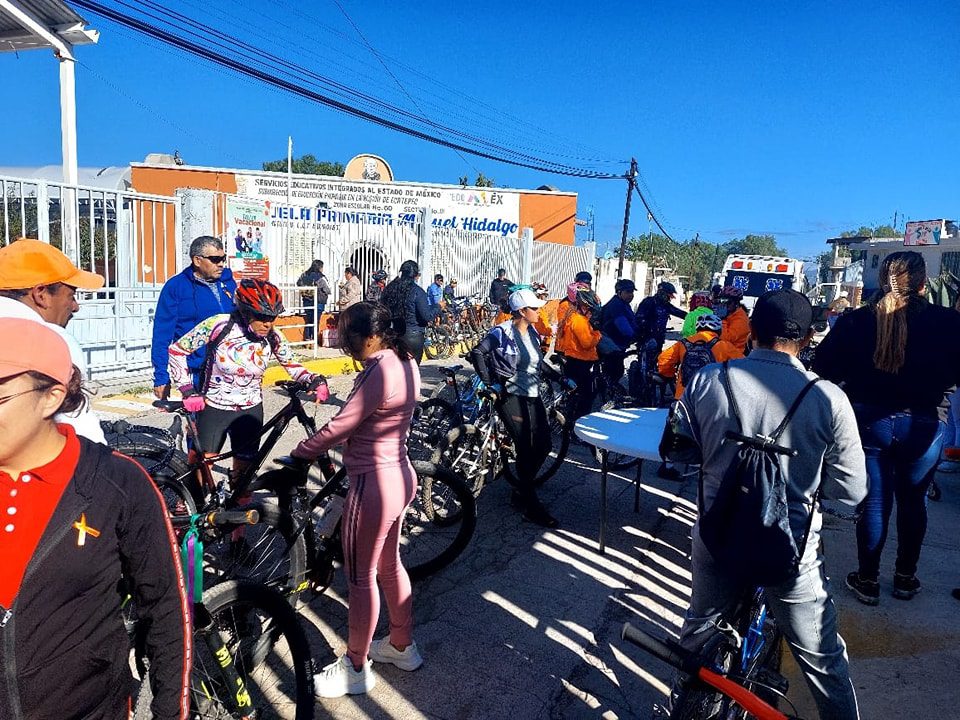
(291, 387)
(658, 379)
(452, 370)
(170, 406)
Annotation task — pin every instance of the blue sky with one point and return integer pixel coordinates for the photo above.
(800, 119)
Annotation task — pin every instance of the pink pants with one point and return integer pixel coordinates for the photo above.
(372, 519)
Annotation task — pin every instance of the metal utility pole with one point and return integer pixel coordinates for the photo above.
(631, 179)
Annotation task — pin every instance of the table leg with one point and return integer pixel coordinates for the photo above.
(603, 501)
(636, 492)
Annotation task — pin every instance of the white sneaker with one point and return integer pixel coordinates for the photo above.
(408, 659)
(339, 678)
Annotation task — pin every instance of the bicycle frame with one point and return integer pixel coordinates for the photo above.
(671, 653)
(273, 429)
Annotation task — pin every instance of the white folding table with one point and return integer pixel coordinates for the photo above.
(629, 431)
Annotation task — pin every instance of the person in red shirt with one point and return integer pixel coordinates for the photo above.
(74, 517)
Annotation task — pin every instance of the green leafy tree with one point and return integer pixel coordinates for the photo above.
(754, 245)
(306, 165)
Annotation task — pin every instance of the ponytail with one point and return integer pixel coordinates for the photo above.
(902, 277)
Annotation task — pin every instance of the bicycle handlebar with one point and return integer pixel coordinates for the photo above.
(218, 518)
(671, 654)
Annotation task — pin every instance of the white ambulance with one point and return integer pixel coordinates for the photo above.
(757, 274)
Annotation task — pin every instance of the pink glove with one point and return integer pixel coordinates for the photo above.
(194, 403)
(322, 392)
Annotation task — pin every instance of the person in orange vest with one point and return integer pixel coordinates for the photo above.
(736, 322)
(683, 359)
(577, 339)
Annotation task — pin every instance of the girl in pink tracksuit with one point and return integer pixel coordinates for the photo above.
(373, 424)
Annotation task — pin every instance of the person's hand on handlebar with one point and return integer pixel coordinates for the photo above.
(318, 386)
(493, 391)
(194, 403)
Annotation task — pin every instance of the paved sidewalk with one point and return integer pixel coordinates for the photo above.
(525, 624)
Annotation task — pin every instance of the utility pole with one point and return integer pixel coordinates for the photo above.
(631, 179)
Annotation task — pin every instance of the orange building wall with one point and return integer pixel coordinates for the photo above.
(551, 217)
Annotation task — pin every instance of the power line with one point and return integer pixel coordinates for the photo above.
(504, 155)
(650, 213)
(391, 74)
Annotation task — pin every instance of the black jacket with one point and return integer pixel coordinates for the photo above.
(418, 313)
(499, 290)
(63, 649)
(931, 363)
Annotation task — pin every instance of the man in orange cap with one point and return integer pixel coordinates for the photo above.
(38, 282)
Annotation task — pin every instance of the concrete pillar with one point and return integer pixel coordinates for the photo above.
(526, 256)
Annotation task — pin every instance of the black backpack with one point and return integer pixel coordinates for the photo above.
(697, 355)
(747, 528)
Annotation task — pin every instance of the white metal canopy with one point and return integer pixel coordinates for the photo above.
(39, 24)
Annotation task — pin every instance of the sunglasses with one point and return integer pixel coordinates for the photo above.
(8, 398)
(263, 318)
(215, 259)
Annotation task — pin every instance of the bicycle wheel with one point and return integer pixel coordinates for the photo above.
(271, 553)
(698, 701)
(463, 452)
(432, 421)
(160, 461)
(270, 654)
(439, 523)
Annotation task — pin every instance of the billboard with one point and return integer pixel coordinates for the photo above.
(332, 202)
(924, 232)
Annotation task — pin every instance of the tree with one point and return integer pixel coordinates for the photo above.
(481, 181)
(306, 165)
(754, 245)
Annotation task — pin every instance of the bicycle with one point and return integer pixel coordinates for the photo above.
(285, 550)
(251, 658)
(479, 447)
(737, 673)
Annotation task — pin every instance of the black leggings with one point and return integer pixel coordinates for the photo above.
(414, 340)
(581, 372)
(525, 419)
(243, 427)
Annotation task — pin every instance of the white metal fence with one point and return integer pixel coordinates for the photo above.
(473, 258)
(555, 265)
(132, 239)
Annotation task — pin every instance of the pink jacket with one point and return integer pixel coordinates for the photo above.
(375, 420)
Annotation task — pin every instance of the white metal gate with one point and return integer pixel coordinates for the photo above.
(132, 239)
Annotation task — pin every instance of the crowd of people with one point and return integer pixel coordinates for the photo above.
(862, 428)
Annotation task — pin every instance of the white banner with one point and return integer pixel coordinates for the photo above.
(333, 202)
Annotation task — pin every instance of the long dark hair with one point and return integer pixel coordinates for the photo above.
(396, 295)
(363, 320)
(902, 276)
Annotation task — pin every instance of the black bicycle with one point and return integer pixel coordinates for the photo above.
(250, 655)
(296, 544)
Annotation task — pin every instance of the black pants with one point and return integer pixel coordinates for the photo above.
(243, 427)
(613, 366)
(525, 419)
(413, 337)
(581, 372)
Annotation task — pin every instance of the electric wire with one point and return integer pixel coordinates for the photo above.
(230, 44)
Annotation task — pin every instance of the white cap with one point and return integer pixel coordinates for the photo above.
(844, 293)
(525, 299)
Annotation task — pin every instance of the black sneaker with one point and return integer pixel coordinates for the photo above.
(668, 473)
(538, 515)
(867, 591)
(905, 586)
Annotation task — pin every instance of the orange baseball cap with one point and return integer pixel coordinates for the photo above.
(27, 263)
(32, 345)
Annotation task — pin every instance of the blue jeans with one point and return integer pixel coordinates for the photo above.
(804, 610)
(902, 450)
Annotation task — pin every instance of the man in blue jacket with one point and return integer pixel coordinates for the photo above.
(620, 325)
(204, 289)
